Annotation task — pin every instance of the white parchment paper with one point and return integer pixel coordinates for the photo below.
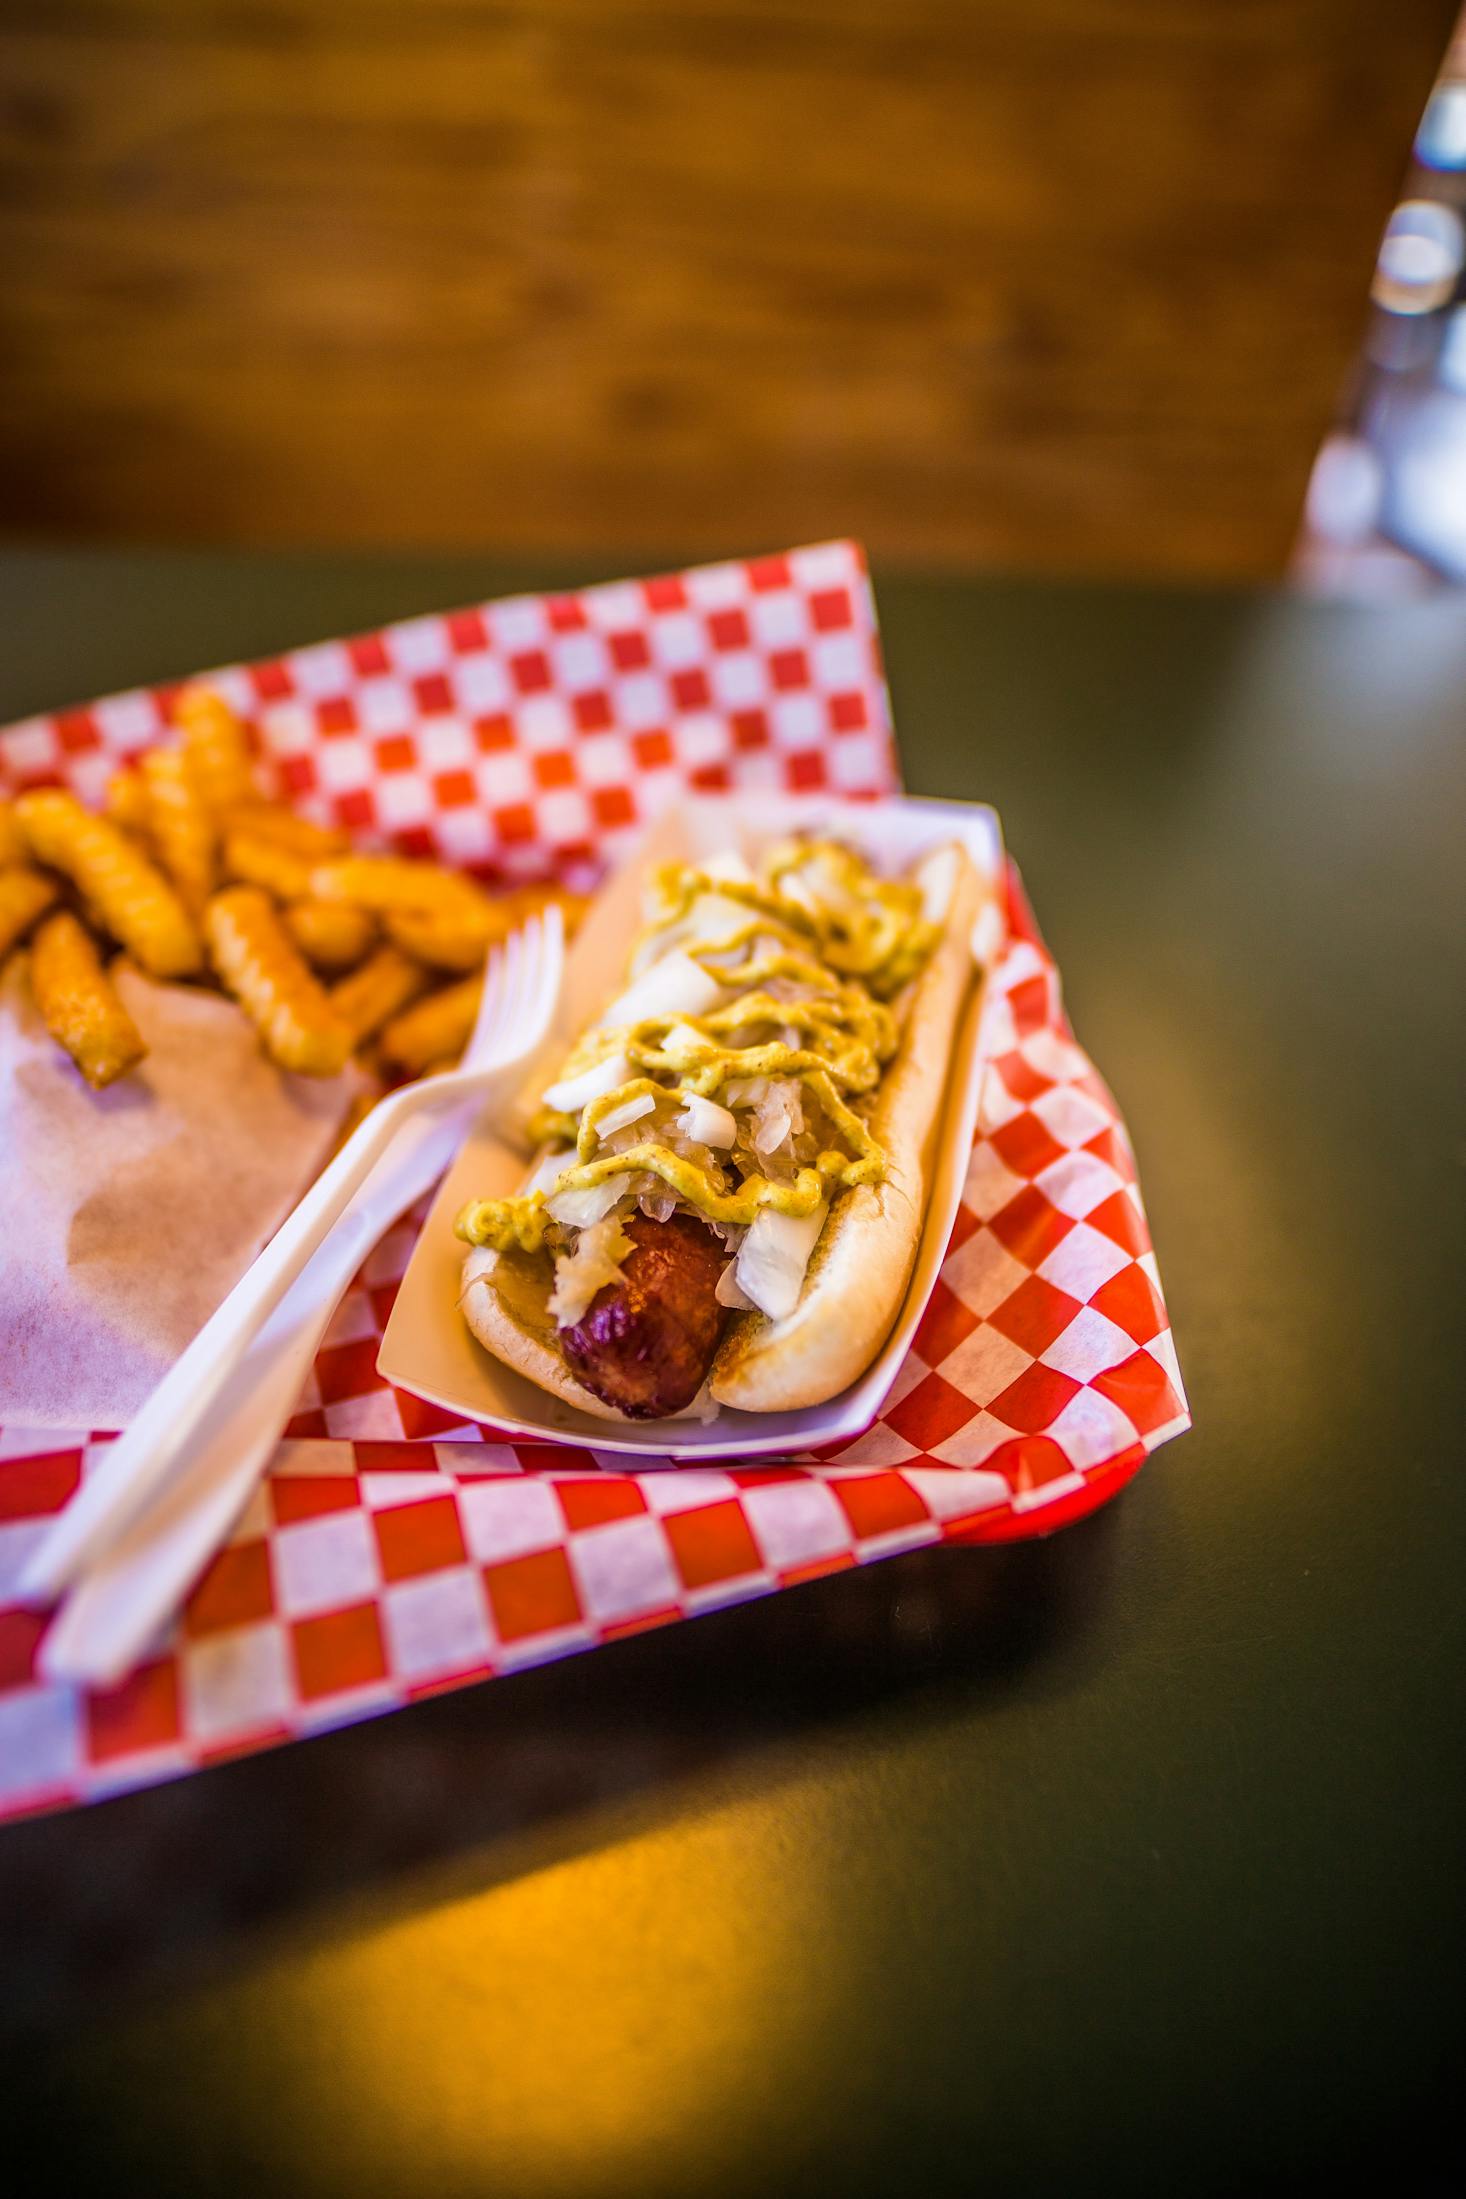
(127, 1215)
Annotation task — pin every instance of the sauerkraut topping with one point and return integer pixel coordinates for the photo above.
(739, 1085)
(594, 1261)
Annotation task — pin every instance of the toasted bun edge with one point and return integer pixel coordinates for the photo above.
(858, 1276)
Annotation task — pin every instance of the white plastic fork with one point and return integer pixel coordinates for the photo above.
(521, 985)
(132, 1589)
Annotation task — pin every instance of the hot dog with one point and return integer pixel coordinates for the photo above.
(646, 1341)
(730, 1181)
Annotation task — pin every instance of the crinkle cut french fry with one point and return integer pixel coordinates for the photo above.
(78, 1004)
(129, 894)
(526, 901)
(24, 895)
(332, 935)
(447, 941)
(215, 748)
(13, 845)
(384, 984)
(125, 805)
(284, 829)
(437, 1029)
(443, 940)
(180, 828)
(258, 962)
(126, 800)
(395, 882)
(257, 862)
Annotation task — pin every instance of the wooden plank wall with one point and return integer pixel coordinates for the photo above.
(1053, 284)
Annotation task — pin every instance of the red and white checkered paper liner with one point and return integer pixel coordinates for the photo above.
(393, 1552)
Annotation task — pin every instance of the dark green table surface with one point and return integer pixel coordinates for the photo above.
(1130, 1861)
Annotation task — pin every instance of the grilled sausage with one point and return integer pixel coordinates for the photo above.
(645, 1343)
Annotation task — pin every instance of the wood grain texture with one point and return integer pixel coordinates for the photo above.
(1054, 283)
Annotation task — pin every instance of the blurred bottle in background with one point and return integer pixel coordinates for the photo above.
(1386, 507)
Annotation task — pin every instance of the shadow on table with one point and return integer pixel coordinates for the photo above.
(162, 1889)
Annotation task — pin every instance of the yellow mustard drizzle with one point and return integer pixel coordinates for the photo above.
(757, 927)
(677, 887)
(858, 1036)
(596, 1111)
(851, 1056)
(759, 969)
(789, 958)
(885, 940)
(505, 1225)
(848, 1030)
(522, 1221)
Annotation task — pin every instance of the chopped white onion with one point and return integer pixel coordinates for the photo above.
(675, 985)
(581, 1209)
(774, 1255)
(619, 1117)
(714, 917)
(730, 864)
(684, 1044)
(778, 1115)
(728, 1293)
(595, 1262)
(829, 888)
(704, 1121)
(572, 1093)
(711, 921)
(546, 1169)
(936, 874)
(795, 887)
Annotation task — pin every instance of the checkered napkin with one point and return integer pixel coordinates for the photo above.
(394, 1552)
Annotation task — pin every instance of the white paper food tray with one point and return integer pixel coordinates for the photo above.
(428, 1348)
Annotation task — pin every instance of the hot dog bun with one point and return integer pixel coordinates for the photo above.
(506, 1304)
(861, 1266)
(859, 1270)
